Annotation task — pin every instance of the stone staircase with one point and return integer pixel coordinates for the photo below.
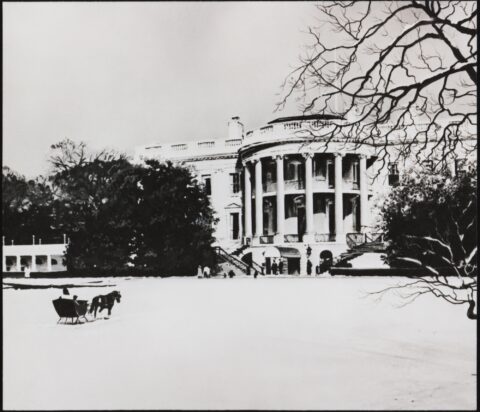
(228, 260)
(238, 251)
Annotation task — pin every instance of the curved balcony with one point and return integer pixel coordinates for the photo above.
(294, 130)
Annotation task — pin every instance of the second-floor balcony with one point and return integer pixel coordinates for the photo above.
(300, 128)
(297, 184)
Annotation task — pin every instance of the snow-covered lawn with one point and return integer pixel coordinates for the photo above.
(265, 343)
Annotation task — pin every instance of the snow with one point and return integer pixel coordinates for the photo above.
(368, 261)
(242, 343)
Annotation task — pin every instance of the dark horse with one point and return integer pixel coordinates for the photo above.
(101, 302)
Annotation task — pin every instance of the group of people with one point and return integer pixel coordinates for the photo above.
(203, 272)
(66, 295)
(276, 268)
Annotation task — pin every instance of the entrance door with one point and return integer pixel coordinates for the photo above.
(293, 266)
(301, 224)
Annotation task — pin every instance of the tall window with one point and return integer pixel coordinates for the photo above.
(319, 168)
(355, 174)
(234, 226)
(330, 173)
(393, 175)
(234, 183)
(207, 184)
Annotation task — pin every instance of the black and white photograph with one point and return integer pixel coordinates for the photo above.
(239, 205)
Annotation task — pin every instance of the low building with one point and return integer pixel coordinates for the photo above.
(37, 256)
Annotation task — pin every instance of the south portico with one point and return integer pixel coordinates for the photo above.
(304, 194)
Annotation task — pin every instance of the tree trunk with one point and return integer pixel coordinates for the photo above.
(470, 313)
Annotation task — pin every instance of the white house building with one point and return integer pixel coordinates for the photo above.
(281, 194)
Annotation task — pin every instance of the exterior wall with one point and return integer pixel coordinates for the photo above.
(218, 159)
(16, 258)
(223, 200)
(287, 147)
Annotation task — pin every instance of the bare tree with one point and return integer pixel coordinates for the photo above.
(403, 71)
(68, 154)
(431, 223)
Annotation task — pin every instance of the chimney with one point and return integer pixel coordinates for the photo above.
(235, 128)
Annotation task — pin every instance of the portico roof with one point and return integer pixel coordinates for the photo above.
(306, 117)
(288, 252)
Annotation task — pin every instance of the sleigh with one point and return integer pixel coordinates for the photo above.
(69, 309)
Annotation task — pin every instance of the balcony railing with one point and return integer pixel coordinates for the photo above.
(374, 237)
(266, 129)
(292, 238)
(266, 240)
(292, 126)
(177, 147)
(206, 144)
(233, 142)
(355, 239)
(324, 237)
(36, 240)
(270, 187)
(294, 184)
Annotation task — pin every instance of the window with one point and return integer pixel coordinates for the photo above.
(355, 174)
(234, 183)
(234, 226)
(393, 175)
(207, 184)
(459, 166)
(319, 168)
(330, 174)
(291, 171)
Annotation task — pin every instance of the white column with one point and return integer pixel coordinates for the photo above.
(33, 267)
(363, 194)
(279, 238)
(248, 201)
(49, 263)
(4, 263)
(339, 234)
(258, 199)
(310, 231)
(19, 264)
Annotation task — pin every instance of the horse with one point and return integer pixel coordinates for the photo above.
(104, 302)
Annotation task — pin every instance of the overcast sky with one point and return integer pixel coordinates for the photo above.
(124, 74)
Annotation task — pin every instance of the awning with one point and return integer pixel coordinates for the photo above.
(271, 252)
(288, 252)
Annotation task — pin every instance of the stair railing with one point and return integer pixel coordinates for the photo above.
(354, 239)
(240, 264)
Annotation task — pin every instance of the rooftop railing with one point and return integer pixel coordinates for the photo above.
(187, 149)
(35, 240)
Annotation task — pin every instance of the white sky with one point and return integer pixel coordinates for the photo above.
(124, 74)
